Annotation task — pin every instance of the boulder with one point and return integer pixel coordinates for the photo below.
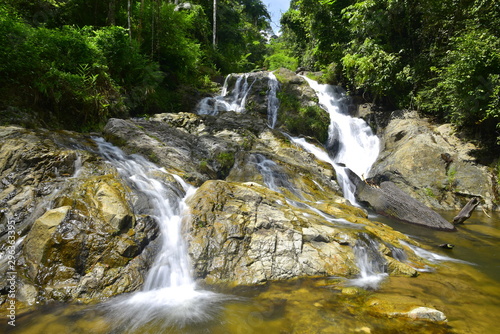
(432, 164)
(387, 199)
(40, 235)
(426, 313)
(244, 233)
(299, 112)
(79, 237)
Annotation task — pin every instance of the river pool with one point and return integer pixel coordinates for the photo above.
(466, 289)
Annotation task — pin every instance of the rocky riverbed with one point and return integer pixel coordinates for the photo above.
(264, 209)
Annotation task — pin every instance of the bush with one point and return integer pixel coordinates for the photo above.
(466, 88)
(137, 76)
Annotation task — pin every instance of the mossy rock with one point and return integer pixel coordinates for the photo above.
(299, 111)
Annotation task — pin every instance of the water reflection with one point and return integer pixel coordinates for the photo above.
(469, 295)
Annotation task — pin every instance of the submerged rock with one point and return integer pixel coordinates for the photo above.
(426, 313)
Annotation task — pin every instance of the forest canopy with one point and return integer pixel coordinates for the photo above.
(82, 61)
(78, 62)
(440, 56)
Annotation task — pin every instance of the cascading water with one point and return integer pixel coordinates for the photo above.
(274, 177)
(171, 268)
(371, 264)
(235, 100)
(168, 296)
(351, 141)
(273, 102)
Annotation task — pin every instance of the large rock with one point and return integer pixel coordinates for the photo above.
(299, 112)
(433, 165)
(387, 199)
(229, 146)
(82, 239)
(244, 233)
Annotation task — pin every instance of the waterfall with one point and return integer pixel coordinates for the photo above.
(351, 141)
(171, 268)
(272, 101)
(168, 297)
(273, 175)
(235, 100)
(371, 264)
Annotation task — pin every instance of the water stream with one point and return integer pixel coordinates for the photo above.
(351, 142)
(234, 100)
(171, 302)
(272, 101)
(169, 295)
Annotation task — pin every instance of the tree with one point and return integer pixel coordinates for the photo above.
(215, 24)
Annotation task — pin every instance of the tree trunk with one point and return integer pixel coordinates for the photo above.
(111, 12)
(215, 24)
(139, 29)
(466, 211)
(129, 20)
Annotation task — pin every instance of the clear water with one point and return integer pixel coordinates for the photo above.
(469, 295)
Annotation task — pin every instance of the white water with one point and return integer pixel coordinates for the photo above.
(235, 100)
(273, 175)
(273, 102)
(351, 141)
(431, 256)
(371, 264)
(167, 204)
(168, 295)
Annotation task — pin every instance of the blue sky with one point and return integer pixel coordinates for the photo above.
(276, 8)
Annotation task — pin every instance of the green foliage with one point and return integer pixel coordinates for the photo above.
(466, 89)
(429, 192)
(79, 62)
(225, 160)
(58, 70)
(279, 56)
(451, 178)
(304, 120)
(368, 66)
(439, 56)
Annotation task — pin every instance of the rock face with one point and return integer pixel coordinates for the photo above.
(387, 199)
(244, 233)
(78, 236)
(300, 113)
(432, 164)
(265, 209)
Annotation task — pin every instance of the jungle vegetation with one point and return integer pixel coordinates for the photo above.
(78, 62)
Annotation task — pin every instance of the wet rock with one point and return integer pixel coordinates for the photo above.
(426, 313)
(244, 233)
(79, 238)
